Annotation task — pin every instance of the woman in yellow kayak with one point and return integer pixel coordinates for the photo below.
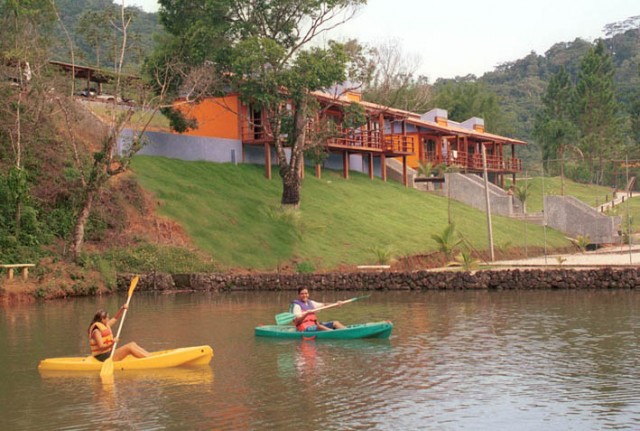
(101, 338)
(306, 319)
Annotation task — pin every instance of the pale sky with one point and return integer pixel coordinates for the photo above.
(462, 36)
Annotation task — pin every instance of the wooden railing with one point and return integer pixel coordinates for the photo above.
(252, 134)
(341, 138)
(399, 144)
(473, 161)
(356, 138)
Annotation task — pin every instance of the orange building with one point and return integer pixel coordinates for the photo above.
(409, 137)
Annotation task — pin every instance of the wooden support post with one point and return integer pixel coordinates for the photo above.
(405, 177)
(370, 166)
(318, 171)
(345, 165)
(301, 167)
(381, 126)
(267, 161)
(383, 167)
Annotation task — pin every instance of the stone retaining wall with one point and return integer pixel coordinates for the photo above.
(524, 279)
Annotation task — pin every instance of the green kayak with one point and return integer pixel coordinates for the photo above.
(363, 330)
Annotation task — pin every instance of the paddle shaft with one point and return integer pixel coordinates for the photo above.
(106, 373)
(287, 317)
(335, 304)
(115, 340)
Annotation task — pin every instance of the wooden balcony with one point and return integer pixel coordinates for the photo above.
(256, 135)
(353, 140)
(398, 145)
(473, 162)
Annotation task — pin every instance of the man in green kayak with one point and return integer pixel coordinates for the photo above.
(306, 320)
(101, 338)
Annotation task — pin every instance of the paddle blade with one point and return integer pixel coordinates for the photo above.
(134, 283)
(106, 373)
(284, 318)
(357, 298)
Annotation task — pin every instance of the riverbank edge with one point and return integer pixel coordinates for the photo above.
(492, 279)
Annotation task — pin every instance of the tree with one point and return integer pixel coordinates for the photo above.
(22, 57)
(523, 192)
(107, 161)
(635, 116)
(96, 30)
(263, 50)
(394, 81)
(554, 127)
(464, 98)
(597, 110)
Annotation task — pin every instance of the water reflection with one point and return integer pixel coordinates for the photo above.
(163, 376)
(456, 360)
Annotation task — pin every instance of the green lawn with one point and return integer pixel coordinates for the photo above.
(233, 213)
(590, 194)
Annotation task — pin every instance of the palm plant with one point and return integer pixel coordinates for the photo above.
(384, 255)
(425, 169)
(467, 261)
(447, 241)
(522, 193)
(582, 242)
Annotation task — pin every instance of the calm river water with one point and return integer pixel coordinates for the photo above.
(552, 360)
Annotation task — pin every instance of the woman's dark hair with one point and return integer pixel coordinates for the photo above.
(100, 314)
(300, 289)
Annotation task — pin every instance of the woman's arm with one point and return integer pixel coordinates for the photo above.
(98, 337)
(115, 318)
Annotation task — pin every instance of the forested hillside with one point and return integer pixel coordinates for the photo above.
(521, 84)
(97, 41)
(510, 97)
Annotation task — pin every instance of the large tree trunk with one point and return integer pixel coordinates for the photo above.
(81, 222)
(291, 187)
(290, 172)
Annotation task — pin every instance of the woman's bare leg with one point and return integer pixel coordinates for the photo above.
(130, 349)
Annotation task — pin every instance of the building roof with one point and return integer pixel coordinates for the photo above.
(93, 74)
(456, 129)
(452, 127)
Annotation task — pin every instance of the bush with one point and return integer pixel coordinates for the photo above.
(305, 268)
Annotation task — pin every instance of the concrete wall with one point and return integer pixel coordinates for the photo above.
(394, 172)
(184, 147)
(192, 148)
(573, 217)
(357, 163)
(469, 189)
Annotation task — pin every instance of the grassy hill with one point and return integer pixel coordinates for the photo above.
(233, 213)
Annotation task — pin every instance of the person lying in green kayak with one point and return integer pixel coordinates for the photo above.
(101, 338)
(306, 320)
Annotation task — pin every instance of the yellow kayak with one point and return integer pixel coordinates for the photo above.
(185, 356)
